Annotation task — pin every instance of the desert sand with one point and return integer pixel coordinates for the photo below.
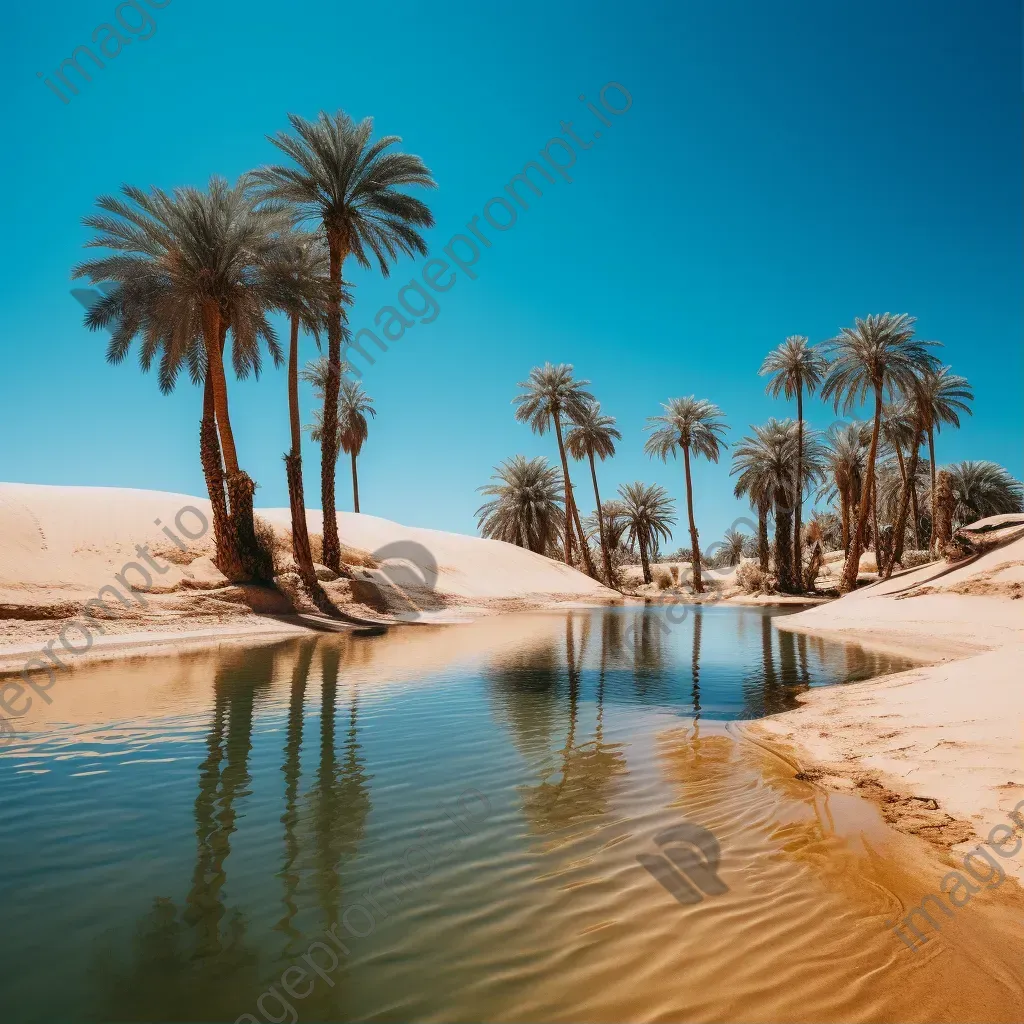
(940, 747)
(60, 545)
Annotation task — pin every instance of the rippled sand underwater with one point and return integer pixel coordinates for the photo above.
(176, 832)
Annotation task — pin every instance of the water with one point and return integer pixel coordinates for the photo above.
(177, 833)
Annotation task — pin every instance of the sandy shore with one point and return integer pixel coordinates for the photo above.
(940, 747)
(66, 550)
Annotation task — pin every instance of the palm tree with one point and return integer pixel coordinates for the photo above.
(982, 489)
(766, 464)
(190, 265)
(878, 354)
(526, 509)
(795, 367)
(732, 548)
(353, 406)
(595, 434)
(845, 457)
(943, 396)
(298, 287)
(649, 515)
(613, 521)
(692, 425)
(352, 190)
(550, 392)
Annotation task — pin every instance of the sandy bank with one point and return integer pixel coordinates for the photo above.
(60, 546)
(941, 747)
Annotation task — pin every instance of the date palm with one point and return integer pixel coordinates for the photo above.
(190, 264)
(595, 434)
(846, 449)
(943, 396)
(526, 509)
(549, 393)
(982, 489)
(794, 369)
(354, 405)
(648, 515)
(766, 464)
(731, 548)
(351, 189)
(693, 426)
(877, 355)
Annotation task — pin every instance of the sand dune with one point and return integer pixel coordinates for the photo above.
(941, 746)
(60, 545)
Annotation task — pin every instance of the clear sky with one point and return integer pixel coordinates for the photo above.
(783, 168)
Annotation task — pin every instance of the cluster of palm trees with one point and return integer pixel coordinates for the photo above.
(193, 269)
(885, 493)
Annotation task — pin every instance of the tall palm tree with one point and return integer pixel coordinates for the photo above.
(649, 515)
(691, 425)
(549, 393)
(795, 367)
(595, 434)
(878, 354)
(352, 190)
(189, 265)
(298, 287)
(982, 489)
(526, 506)
(943, 396)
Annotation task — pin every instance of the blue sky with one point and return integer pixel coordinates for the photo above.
(783, 168)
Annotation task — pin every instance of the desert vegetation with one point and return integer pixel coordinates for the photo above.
(865, 492)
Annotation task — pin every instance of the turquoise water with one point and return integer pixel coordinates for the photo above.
(181, 829)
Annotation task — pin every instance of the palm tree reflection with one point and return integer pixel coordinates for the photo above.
(576, 787)
(292, 771)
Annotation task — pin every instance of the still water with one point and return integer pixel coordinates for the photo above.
(445, 823)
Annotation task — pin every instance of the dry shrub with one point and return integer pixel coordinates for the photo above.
(752, 580)
(349, 556)
(912, 559)
(273, 552)
(673, 571)
(662, 579)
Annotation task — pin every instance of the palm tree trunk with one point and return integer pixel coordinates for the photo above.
(844, 510)
(783, 542)
(301, 551)
(329, 442)
(762, 535)
(852, 567)
(240, 488)
(874, 512)
(644, 562)
(600, 524)
(227, 559)
(931, 471)
(798, 558)
(917, 513)
(572, 516)
(901, 518)
(698, 584)
(355, 482)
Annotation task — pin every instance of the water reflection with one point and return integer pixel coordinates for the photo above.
(274, 784)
